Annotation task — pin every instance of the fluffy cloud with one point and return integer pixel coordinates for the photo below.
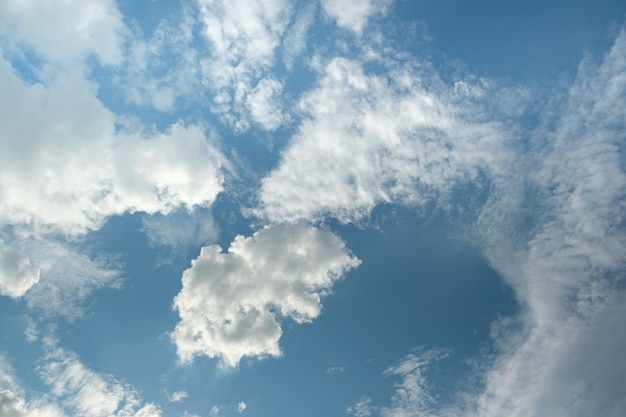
(371, 139)
(354, 14)
(17, 274)
(178, 396)
(65, 168)
(232, 302)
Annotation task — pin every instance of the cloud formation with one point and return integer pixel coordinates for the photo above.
(371, 138)
(86, 393)
(243, 38)
(553, 227)
(569, 273)
(354, 15)
(17, 274)
(231, 303)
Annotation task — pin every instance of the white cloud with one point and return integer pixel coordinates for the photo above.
(568, 274)
(13, 401)
(17, 274)
(231, 303)
(334, 370)
(67, 278)
(241, 406)
(85, 392)
(181, 228)
(370, 139)
(243, 37)
(354, 14)
(264, 103)
(362, 408)
(412, 395)
(67, 31)
(163, 70)
(295, 39)
(178, 396)
(553, 226)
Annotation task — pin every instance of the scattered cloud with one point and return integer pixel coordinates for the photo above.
(66, 169)
(182, 228)
(563, 355)
(568, 273)
(354, 15)
(241, 406)
(264, 104)
(243, 38)
(67, 31)
(178, 396)
(362, 408)
(334, 370)
(232, 302)
(295, 39)
(17, 274)
(370, 139)
(67, 278)
(85, 392)
(412, 395)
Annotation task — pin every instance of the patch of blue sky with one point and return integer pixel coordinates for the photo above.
(517, 41)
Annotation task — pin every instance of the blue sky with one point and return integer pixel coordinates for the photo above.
(376, 208)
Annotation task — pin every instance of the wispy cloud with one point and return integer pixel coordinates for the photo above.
(371, 139)
(86, 393)
(243, 39)
(552, 225)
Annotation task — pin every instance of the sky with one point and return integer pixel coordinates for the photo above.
(368, 208)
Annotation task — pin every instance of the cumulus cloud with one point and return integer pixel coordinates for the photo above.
(354, 14)
(371, 139)
(231, 303)
(65, 168)
(17, 274)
